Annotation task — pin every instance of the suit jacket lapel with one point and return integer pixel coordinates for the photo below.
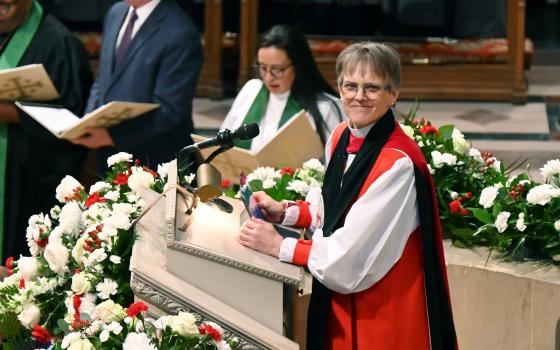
(149, 27)
(112, 35)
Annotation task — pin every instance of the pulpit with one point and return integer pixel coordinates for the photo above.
(187, 258)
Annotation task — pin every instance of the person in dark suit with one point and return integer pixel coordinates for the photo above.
(151, 52)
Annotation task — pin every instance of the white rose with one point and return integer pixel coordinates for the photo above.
(66, 190)
(119, 157)
(70, 217)
(183, 324)
(501, 221)
(520, 224)
(137, 341)
(542, 194)
(80, 283)
(557, 225)
(408, 130)
(108, 311)
(81, 344)
(57, 256)
(28, 267)
(487, 196)
(440, 159)
(99, 186)
(78, 251)
(460, 145)
(118, 221)
(140, 179)
(29, 316)
(550, 169)
(474, 153)
(123, 208)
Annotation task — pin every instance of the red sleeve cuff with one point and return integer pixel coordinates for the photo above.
(304, 218)
(301, 253)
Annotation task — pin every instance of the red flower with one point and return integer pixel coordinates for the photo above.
(136, 308)
(226, 183)
(10, 265)
(455, 206)
(211, 331)
(287, 170)
(41, 334)
(121, 179)
(94, 198)
(468, 195)
(42, 242)
(427, 129)
(21, 283)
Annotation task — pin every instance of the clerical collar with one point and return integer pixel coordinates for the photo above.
(280, 97)
(360, 132)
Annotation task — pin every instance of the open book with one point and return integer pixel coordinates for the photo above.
(295, 142)
(66, 125)
(29, 83)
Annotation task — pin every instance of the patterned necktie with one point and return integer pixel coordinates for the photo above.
(126, 38)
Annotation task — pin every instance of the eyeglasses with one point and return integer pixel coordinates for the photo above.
(275, 71)
(350, 90)
(5, 7)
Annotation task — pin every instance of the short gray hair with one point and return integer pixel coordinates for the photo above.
(380, 58)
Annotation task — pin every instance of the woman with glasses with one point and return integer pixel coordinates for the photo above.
(289, 81)
(375, 252)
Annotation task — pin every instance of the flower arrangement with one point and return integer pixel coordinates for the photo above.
(482, 203)
(69, 293)
(284, 183)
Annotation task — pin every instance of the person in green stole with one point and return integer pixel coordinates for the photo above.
(289, 81)
(32, 160)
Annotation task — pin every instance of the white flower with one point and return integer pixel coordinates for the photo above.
(263, 173)
(37, 225)
(70, 218)
(298, 186)
(501, 221)
(108, 311)
(268, 183)
(163, 169)
(69, 338)
(137, 341)
(487, 196)
(459, 144)
(95, 257)
(189, 178)
(29, 316)
(66, 190)
(473, 152)
(315, 165)
(183, 324)
(454, 195)
(106, 288)
(112, 196)
(408, 130)
(114, 327)
(520, 224)
(115, 259)
(28, 267)
(431, 170)
(440, 159)
(118, 221)
(123, 208)
(542, 194)
(104, 336)
(496, 164)
(81, 344)
(56, 255)
(550, 169)
(222, 345)
(55, 211)
(140, 178)
(99, 186)
(119, 157)
(78, 251)
(80, 283)
(557, 225)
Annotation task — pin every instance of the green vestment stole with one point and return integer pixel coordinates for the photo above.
(10, 59)
(258, 108)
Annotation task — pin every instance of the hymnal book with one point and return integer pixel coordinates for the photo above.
(295, 142)
(66, 125)
(28, 83)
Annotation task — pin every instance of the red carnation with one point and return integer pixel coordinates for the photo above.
(121, 179)
(427, 129)
(287, 170)
(136, 308)
(226, 183)
(41, 334)
(455, 206)
(94, 198)
(211, 331)
(42, 242)
(10, 265)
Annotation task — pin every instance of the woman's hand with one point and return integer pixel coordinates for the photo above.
(261, 236)
(273, 211)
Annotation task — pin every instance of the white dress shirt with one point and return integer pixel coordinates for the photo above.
(143, 12)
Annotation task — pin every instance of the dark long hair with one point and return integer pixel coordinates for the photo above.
(309, 85)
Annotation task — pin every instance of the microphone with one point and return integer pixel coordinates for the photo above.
(226, 137)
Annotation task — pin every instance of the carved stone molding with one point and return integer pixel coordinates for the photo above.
(212, 256)
(170, 303)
